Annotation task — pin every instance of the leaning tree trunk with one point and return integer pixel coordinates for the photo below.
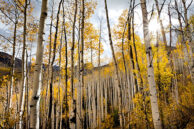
(151, 80)
(116, 66)
(35, 100)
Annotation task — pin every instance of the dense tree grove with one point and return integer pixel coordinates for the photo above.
(54, 73)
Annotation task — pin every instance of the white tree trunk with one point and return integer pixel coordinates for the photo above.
(189, 39)
(35, 100)
(13, 65)
(118, 84)
(94, 104)
(22, 95)
(151, 80)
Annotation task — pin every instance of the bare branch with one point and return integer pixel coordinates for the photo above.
(6, 38)
(162, 6)
(6, 15)
(152, 12)
(190, 4)
(20, 3)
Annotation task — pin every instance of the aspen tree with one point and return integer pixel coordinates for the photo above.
(130, 50)
(185, 59)
(122, 50)
(189, 39)
(59, 107)
(99, 72)
(72, 115)
(49, 58)
(81, 86)
(79, 89)
(134, 44)
(94, 119)
(13, 56)
(159, 10)
(50, 119)
(116, 66)
(183, 40)
(35, 100)
(151, 79)
(66, 64)
(22, 95)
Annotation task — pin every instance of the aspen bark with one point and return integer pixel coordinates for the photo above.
(22, 95)
(81, 85)
(105, 95)
(174, 85)
(91, 52)
(151, 80)
(50, 119)
(66, 75)
(59, 104)
(170, 25)
(102, 99)
(190, 41)
(99, 74)
(72, 116)
(27, 92)
(93, 105)
(49, 67)
(183, 40)
(130, 49)
(123, 54)
(35, 100)
(134, 47)
(12, 64)
(159, 80)
(116, 66)
(98, 103)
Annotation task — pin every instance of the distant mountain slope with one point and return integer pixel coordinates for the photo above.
(5, 65)
(5, 60)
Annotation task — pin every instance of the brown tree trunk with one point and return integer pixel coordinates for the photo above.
(72, 115)
(50, 119)
(130, 50)
(66, 75)
(48, 69)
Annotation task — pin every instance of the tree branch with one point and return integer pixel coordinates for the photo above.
(162, 6)
(190, 4)
(151, 13)
(6, 38)
(6, 15)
